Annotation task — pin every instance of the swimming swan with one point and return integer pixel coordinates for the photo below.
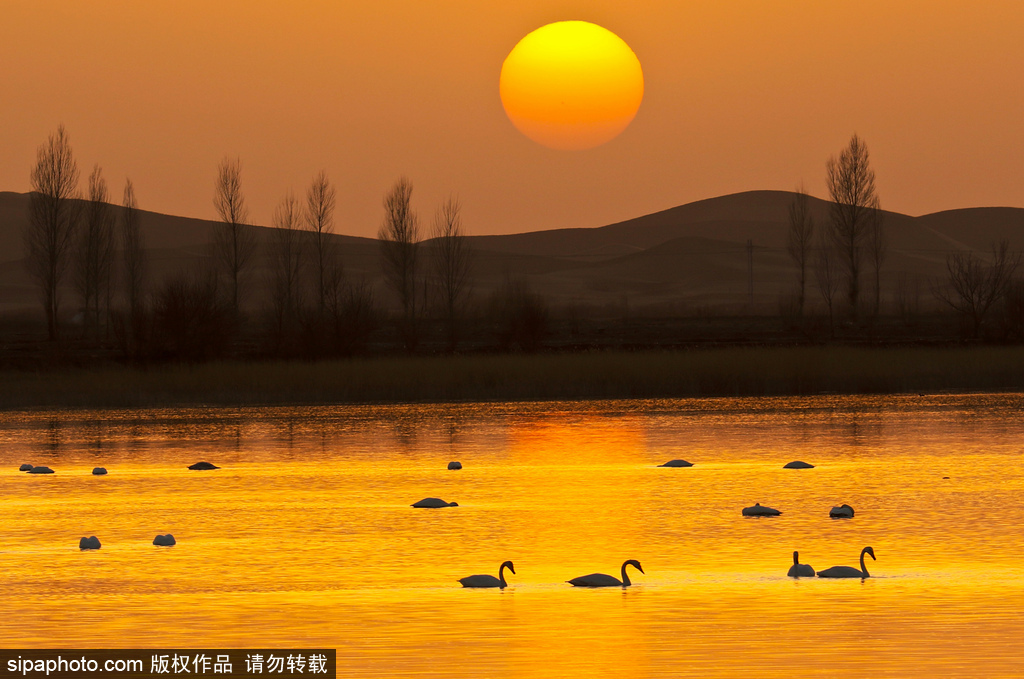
(758, 510)
(434, 503)
(800, 570)
(798, 464)
(602, 580)
(676, 463)
(489, 580)
(841, 512)
(849, 571)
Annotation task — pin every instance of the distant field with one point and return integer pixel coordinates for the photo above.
(595, 375)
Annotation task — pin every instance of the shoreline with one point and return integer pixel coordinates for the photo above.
(728, 372)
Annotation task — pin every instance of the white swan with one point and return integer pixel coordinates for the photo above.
(489, 580)
(841, 512)
(454, 464)
(758, 510)
(849, 571)
(602, 580)
(433, 503)
(91, 542)
(164, 540)
(800, 570)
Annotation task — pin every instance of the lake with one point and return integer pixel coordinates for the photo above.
(305, 536)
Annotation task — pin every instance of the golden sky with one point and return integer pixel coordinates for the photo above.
(738, 95)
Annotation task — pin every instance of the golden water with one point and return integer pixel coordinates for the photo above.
(305, 537)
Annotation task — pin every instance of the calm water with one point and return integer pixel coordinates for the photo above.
(305, 537)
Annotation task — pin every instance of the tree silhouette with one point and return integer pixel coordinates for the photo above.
(851, 186)
(53, 218)
(451, 263)
(95, 253)
(974, 285)
(234, 239)
(399, 244)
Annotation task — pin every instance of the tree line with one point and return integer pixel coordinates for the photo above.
(854, 237)
(313, 308)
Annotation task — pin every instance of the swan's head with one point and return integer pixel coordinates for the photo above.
(796, 558)
(509, 565)
(635, 564)
(868, 550)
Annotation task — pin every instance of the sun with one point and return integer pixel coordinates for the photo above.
(571, 85)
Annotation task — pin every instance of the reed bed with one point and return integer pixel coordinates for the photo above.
(597, 375)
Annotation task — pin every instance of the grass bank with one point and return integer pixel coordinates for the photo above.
(713, 372)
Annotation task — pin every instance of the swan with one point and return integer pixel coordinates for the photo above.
(41, 470)
(800, 570)
(849, 571)
(602, 580)
(91, 542)
(433, 503)
(455, 464)
(200, 466)
(26, 467)
(841, 512)
(489, 580)
(99, 471)
(797, 464)
(164, 540)
(758, 510)
(676, 463)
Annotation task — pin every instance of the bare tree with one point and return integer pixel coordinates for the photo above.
(320, 201)
(94, 254)
(133, 262)
(878, 248)
(399, 241)
(234, 239)
(798, 240)
(52, 221)
(826, 271)
(286, 264)
(851, 186)
(451, 263)
(975, 285)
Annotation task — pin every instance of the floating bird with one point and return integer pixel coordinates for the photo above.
(26, 467)
(41, 470)
(800, 570)
(164, 540)
(91, 542)
(841, 512)
(202, 466)
(676, 463)
(433, 503)
(602, 580)
(849, 571)
(455, 464)
(758, 510)
(99, 471)
(797, 464)
(489, 580)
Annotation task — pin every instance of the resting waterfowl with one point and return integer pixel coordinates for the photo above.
(91, 542)
(99, 471)
(164, 540)
(454, 464)
(797, 464)
(489, 580)
(41, 470)
(758, 510)
(433, 503)
(26, 467)
(603, 580)
(841, 512)
(800, 570)
(202, 466)
(676, 463)
(849, 571)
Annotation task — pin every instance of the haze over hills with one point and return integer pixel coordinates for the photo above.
(684, 259)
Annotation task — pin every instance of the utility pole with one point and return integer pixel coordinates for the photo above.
(750, 272)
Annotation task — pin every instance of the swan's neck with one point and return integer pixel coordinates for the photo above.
(796, 558)
(625, 578)
(863, 568)
(501, 573)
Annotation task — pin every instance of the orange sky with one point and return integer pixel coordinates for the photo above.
(739, 94)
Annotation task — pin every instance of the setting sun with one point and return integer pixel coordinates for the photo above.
(571, 85)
